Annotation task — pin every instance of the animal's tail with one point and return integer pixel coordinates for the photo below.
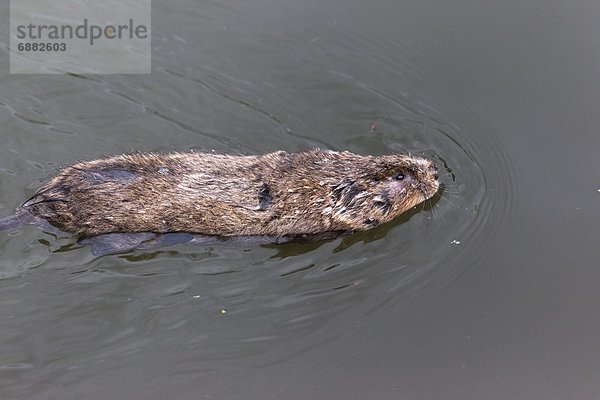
(11, 221)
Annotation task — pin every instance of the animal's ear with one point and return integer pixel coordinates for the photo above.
(346, 190)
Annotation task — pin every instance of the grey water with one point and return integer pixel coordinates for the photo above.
(491, 292)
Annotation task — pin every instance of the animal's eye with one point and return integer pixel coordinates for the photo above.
(400, 177)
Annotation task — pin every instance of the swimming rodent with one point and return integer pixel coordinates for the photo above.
(275, 194)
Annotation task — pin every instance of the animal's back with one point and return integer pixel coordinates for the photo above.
(272, 194)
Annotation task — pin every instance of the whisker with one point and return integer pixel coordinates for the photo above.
(435, 220)
(446, 199)
(443, 219)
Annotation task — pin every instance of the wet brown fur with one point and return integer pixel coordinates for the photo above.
(276, 194)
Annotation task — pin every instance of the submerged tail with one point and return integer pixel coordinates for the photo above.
(11, 221)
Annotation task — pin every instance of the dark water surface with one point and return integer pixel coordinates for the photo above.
(491, 292)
